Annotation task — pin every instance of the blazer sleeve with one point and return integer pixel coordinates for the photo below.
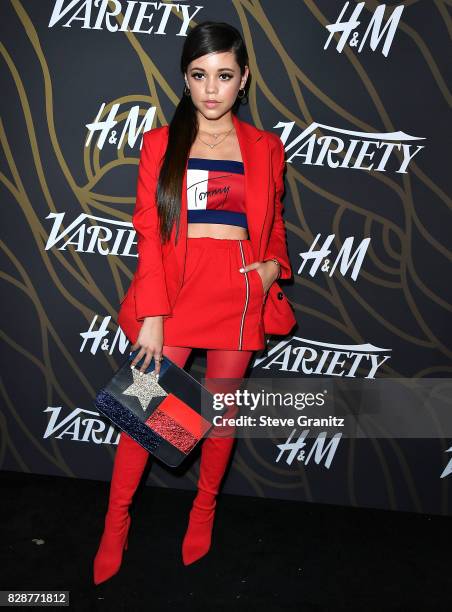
(276, 246)
(151, 296)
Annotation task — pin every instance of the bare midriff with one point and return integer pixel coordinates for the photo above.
(216, 230)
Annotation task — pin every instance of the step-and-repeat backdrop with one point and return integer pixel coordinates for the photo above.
(358, 94)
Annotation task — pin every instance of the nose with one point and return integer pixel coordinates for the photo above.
(210, 85)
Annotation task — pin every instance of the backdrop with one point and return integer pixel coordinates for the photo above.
(358, 94)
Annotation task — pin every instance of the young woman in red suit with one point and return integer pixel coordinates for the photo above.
(211, 246)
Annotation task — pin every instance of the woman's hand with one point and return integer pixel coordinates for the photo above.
(150, 341)
(267, 270)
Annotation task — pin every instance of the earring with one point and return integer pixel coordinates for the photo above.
(186, 90)
(243, 97)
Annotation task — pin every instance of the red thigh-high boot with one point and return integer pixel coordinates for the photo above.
(215, 454)
(130, 462)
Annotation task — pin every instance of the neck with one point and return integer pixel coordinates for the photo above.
(215, 126)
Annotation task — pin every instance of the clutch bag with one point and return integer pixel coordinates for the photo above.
(167, 416)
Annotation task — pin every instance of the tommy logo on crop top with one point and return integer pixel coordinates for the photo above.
(216, 191)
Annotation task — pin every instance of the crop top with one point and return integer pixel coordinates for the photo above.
(216, 191)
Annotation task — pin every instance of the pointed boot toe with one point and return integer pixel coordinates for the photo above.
(108, 559)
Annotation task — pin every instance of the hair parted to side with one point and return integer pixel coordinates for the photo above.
(206, 37)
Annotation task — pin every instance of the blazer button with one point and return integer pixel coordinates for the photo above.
(280, 295)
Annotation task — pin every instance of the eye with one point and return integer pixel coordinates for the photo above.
(195, 75)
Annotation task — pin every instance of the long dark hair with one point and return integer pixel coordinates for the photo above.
(206, 37)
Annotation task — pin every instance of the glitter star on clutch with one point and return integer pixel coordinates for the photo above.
(144, 387)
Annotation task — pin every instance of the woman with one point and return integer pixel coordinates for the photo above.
(211, 245)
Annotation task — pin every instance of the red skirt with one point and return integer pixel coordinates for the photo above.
(217, 307)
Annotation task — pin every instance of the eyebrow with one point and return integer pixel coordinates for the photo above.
(196, 68)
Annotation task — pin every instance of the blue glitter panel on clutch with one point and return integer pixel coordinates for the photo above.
(127, 421)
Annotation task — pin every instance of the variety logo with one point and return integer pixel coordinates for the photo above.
(320, 447)
(313, 358)
(376, 30)
(80, 426)
(137, 17)
(371, 151)
(344, 259)
(110, 238)
(100, 338)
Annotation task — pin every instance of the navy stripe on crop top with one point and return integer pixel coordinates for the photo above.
(216, 191)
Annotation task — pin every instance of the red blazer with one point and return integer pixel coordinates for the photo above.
(159, 273)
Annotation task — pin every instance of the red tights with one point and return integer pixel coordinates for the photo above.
(220, 363)
(225, 369)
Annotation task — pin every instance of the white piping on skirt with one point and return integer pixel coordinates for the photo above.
(247, 296)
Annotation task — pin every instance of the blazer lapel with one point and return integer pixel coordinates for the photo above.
(256, 161)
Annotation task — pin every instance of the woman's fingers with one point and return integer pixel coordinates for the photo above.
(255, 266)
(148, 354)
(147, 361)
(250, 266)
(137, 357)
(157, 357)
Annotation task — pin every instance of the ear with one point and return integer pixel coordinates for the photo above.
(245, 76)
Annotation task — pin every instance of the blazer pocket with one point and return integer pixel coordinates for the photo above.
(279, 316)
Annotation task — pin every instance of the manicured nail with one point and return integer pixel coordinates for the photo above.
(141, 373)
(242, 270)
(132, 366)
